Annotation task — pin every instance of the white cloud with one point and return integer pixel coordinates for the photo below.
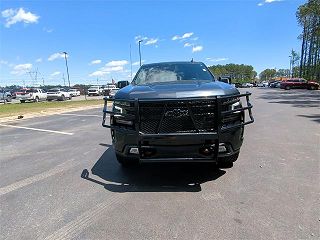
(39, 60)
(139, 37)
(268, 1)
(184, 36)
(112, 69)
(217, 59)
(151, 41)
(117, 63)
(197, 48)
(56, 56)
(55, 74)
(21, 69)
(187, 45)
(146, 40)
(98, 74)
(13, 16)
(138, 63)
(113, 66)
(3, 62)
(48, 30)
(98, 61)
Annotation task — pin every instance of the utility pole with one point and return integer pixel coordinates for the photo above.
(130, 62)
(64, 80)
(65, 57)
(290, 57)
(140, 50)
(36, 78)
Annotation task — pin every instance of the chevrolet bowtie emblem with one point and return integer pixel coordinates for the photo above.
(177, 113)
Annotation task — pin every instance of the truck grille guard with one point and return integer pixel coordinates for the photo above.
(220, 111)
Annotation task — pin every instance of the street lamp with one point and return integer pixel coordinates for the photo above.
(65, 57)
(140, 51)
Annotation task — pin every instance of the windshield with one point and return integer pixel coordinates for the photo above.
(172, 72)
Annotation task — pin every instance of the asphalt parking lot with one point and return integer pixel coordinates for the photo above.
(272, 191)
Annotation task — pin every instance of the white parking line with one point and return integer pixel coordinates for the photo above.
(36, 129)
(74, 228)
(81, 115)
(25, 182)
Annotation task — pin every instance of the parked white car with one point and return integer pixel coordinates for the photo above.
(74, 92)
(247, 85)
(58, 94)
(95, 91)
(113, 92)
(32, 95)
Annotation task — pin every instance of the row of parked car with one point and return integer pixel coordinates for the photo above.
(38, 94)
(294, 83)
(106, 90)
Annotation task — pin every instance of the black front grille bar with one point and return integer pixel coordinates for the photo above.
(220, 102)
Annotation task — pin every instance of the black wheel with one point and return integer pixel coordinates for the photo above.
(9, 99)
(49, 100)
(22, 101)
(312, 87)
(287, 87)
(36, 99)
(63, 98)
(227, 162)
(125, 161)
(70, 97)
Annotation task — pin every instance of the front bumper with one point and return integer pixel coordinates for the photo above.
(198, 146)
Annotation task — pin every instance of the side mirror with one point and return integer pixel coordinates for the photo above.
(225, 80)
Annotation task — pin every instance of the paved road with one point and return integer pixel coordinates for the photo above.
(272, 191)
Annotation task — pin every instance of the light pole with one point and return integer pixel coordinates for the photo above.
(65, 57)
(290, 57)
(140, 51)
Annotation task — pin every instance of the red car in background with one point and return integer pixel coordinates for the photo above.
(299, 83)
(19, 92)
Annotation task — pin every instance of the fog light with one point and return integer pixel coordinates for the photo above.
(134, 150)
(222, 147)
(125, 122)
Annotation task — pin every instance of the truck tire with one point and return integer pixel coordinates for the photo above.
(125, 161)
(227, 162)
(22, 101)
(36, 99)
(63, 98)
(287, 88)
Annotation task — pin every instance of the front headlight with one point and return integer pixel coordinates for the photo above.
(120, 107)
(236, 105)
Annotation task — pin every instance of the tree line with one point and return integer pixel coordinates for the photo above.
(308, 16)
(237, 72)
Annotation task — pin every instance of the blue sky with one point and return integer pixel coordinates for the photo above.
(97, 36)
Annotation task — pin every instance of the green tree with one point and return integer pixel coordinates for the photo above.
(237, 72)
(308, 16)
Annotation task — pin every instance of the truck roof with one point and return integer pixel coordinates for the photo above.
(177, 62)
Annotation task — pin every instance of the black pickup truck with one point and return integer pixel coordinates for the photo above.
(177, 112)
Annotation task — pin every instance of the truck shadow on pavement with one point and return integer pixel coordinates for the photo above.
(297, 97)
(150, 177)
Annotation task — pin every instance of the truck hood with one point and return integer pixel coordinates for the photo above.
(176, 90)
